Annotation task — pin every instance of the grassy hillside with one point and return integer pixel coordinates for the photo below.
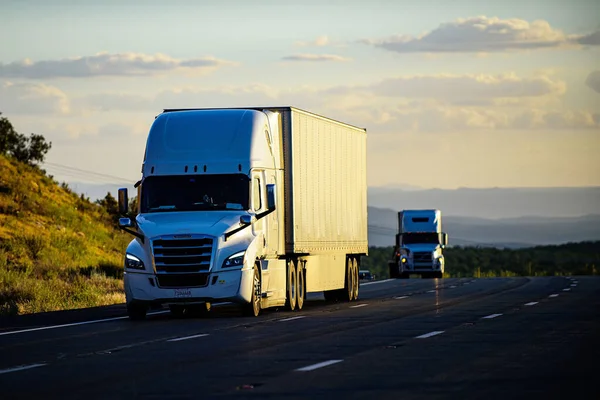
(57, 250)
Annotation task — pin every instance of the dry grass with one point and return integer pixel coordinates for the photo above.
(57, 250)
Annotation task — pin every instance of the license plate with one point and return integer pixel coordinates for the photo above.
(183, 293)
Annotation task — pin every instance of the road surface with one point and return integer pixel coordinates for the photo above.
(499, 338)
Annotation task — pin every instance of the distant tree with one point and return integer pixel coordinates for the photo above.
(30, 150)
(110, 204)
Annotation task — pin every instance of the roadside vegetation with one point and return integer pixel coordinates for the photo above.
(566, 259)
(58, 250)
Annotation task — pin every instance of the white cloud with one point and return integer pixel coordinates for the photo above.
(460, 89)
(106, 64)
(485, 34)
(315, 57)
(593, 81)
(32, 98)
(318, 42)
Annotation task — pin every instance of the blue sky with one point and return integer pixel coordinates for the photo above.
(452, 93)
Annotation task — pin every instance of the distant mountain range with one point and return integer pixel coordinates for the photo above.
(497, 217)
(509, 233)
(493, 203)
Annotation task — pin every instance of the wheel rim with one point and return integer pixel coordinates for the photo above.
(356, 281)
(301, 292)
(256, 299)
(292, 288)
(350, 281)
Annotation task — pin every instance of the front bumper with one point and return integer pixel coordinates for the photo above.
(234, 286)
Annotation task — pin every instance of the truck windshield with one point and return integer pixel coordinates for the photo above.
(195, 193)
(420, 237)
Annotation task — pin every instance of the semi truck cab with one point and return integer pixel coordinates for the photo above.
(419, 245)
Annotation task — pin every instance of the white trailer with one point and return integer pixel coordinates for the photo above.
(257, 206)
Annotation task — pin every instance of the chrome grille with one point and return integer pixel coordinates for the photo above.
(421, 257)
(182, 254)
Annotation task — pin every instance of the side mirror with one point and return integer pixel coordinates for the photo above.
(271, 196)
(246, 219)
(123, 202)
(444, 239)
(125, 223)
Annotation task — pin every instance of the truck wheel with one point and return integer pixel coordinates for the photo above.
(252, 309)
(404, 275)
(438, 275)
(292, 286)
(347, 294)
(301, 282)
(393, 270)
(136, 311)
(355, 267)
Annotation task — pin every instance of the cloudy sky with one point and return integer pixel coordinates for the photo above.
(459, 93)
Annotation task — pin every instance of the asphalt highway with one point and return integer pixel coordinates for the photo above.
(497, 338)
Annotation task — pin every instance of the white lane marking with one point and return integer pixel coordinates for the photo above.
(430, 334)
(452, 287)
(318, 365)
(491, 316)
(573, 284)
(554, 295)
(42, 328)
(373, 283)
(400, 297)
(20, 368)
(466, 283)
(187, 337)
(359, 305)
(431, 291)
(531, 303)
(566, 290)
(292, 318)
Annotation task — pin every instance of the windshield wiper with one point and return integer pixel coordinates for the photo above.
(162, 208)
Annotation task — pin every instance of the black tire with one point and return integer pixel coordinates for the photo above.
(301, 286)
(404, 275)
(292, 286)
(393, 270)
(252, 309)
(136, 311)
(438, 275)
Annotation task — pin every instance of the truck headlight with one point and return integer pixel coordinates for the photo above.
(403, 259)
(235, 260)
(133, 262)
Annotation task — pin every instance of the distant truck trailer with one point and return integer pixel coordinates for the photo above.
(419, 245)
(257, 206)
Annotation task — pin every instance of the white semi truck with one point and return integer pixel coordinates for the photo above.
(419, 245)
(256, 206)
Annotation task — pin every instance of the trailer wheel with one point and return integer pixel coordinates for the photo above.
(136, 311)
(347, 294)
(292, 286)
(252, 309)
(355, 265)
(301, 282)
